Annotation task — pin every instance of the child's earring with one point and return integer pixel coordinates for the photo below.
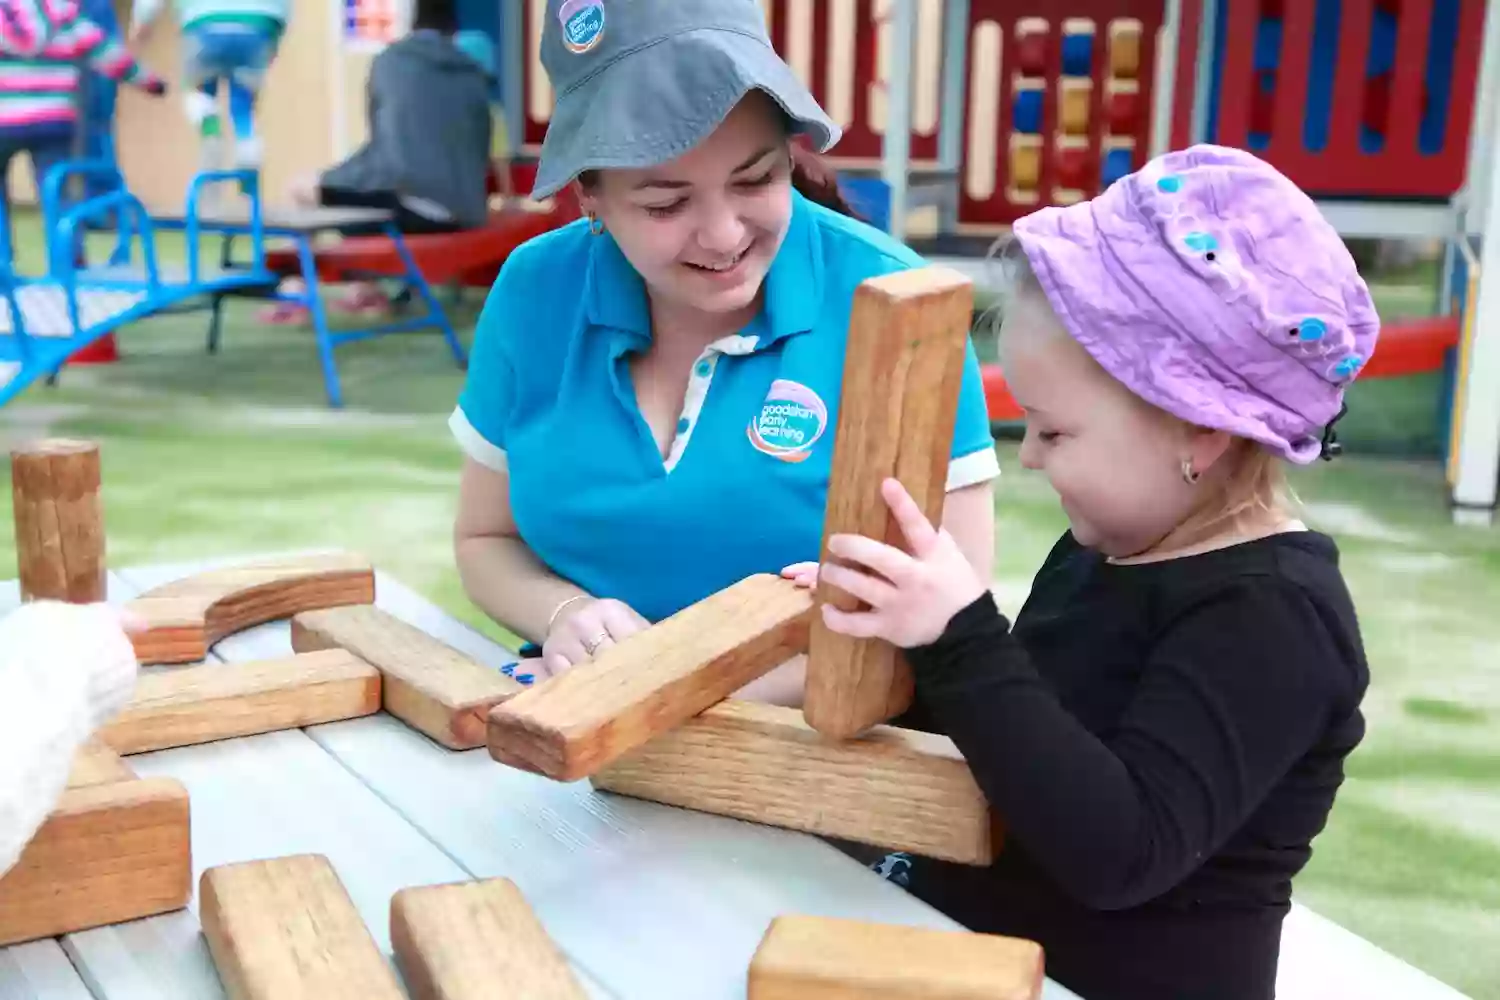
(1190, 475)
(595, 226)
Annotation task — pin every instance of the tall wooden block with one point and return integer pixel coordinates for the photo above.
(59, 521)
(286, 929)
(219, 701)
(110, 852)
(821, 958)
(472, 940)
(572, 725)
(908, 334)
(429, 685)
(892, 788)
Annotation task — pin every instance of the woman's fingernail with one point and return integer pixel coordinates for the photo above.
(508, 669)
(524, 678)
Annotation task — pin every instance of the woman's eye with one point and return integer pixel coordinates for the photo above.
(760, 181)
(663, 211)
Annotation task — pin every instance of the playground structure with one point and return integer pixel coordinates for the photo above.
(1383, 110)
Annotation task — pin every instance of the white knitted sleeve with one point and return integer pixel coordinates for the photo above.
(64, 671)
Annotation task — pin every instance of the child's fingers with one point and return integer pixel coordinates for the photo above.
(796, 571)
(920, 535)
(873, 591)
(859, 624)
(888, 561)
(131, 622)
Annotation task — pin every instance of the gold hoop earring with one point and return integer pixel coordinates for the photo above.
(1190, 475)
(595, 226)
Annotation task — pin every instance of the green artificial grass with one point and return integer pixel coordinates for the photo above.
(236, 454)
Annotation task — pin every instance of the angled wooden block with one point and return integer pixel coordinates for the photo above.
(286, 929)
(908, 335)
(891, 788)
(109, 852)
(572, 725)
(426, 683)
(187, 616)
(96, 764)
(468, 940)
(821, 958)
(218, 701)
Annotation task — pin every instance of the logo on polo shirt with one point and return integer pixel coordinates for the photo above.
(790, 422)
(582, 24)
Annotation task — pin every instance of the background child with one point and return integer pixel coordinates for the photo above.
(479, 47)
(1163, 728)
(233, 41)
(65, 669)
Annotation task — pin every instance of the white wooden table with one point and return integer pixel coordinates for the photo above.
(646, 901)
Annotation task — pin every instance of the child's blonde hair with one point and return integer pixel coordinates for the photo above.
(1256, 483)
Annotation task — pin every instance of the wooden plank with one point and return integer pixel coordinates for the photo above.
(464, 941)
(96, 764)
(59, 520)
(108, 853)
(891, 788)
(286, 929)
(908, 333)
(572, 725)
(426, 683)
(187, 616)
(818, 958)
(218, 701)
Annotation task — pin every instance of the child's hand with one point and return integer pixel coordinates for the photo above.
(803, 574)
(911, 597)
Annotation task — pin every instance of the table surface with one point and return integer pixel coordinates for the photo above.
(646, 901)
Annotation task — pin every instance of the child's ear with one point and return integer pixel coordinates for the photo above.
(1206, 446)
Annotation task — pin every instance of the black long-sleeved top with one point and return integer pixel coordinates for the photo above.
(1163, 741)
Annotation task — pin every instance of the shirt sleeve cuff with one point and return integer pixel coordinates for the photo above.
(976, 467)
(475, 444)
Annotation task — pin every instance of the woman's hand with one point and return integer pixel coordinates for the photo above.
(591, 626)
(911, 597)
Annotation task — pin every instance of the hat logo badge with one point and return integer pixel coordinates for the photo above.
(582, 24)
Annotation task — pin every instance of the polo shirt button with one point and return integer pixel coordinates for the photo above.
(683, 425)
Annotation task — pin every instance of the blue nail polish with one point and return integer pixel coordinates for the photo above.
(524, 678)
(508, 669)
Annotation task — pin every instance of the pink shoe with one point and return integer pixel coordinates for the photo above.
(285, 314)
(363, 301)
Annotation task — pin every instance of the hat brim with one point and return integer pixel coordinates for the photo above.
(656, 103)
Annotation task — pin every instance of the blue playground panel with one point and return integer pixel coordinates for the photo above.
(1381, 60)
(870, 197)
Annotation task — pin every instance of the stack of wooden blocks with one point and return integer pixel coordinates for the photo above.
(651, 717)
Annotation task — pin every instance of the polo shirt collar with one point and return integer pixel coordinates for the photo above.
(616, 295)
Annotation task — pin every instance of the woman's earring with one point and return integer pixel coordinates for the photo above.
(595, 226)
(1190, 475)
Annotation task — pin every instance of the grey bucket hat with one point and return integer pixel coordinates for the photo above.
(640, 82)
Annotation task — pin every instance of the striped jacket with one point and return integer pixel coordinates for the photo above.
(42, 43)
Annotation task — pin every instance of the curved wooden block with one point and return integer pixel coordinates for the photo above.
(187, 616)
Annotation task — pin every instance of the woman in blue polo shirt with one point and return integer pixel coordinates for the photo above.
(650, 407)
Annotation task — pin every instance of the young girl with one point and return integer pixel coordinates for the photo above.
(65, 669)
(1163, 727)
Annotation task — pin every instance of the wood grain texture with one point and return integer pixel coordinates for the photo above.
(108, 853)
(218, 701)
(187, 616)
(426, 683)
(822, 958)
(576, 723)
(468, 940)
(59, 520)
(286, 929)
(908, 334)
(97, 764)
(891, 788)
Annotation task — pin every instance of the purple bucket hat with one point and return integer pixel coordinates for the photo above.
(1212, 287)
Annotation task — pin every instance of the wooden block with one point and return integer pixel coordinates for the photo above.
(908, 333)
(187, 616)
(1074, 100)
(96, 764)
(286, 929)
(218, 701)
(892, 788)
(572, 725)
(109, 853)
(468, 940)
(426, 683)
(59, 521)
(822, 958)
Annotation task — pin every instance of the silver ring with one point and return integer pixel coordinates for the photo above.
(592, 647)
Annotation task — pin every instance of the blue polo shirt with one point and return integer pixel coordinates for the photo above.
(743, 488)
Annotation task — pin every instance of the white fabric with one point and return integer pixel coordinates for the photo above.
(65, 670)
(975, 467)
(475, 444)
